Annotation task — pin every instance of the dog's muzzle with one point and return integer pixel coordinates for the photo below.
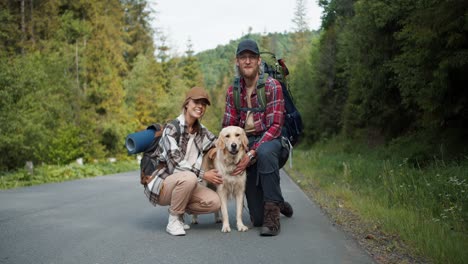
(233, 149)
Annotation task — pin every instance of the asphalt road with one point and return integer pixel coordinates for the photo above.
(108, 220)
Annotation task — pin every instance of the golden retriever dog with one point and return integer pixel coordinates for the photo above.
(231, 146)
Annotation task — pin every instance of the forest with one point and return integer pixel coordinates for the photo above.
(379, 76)
(77, 76)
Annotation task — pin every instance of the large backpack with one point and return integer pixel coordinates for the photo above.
(292, 128)
(147, 142)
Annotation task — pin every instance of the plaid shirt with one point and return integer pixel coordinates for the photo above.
(171, 154)
(268, 124)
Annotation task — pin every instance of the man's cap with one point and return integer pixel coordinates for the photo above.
(197, 93)
(247, 44)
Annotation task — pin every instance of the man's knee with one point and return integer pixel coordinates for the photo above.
(263, 153)
(268, 153)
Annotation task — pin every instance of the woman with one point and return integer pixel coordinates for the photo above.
(180, 153)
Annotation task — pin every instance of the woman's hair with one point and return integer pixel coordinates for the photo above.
(185, 103)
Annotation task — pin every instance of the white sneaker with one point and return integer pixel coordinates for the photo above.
(175, 227)
(181, 219)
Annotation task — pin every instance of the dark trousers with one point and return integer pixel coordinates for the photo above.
(263, 179)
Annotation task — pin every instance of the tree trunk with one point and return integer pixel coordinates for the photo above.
(23, 27)
(77, 65)
(31, 23)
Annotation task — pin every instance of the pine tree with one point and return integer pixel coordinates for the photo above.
(137, 28)
(191, 68)
(301, 27)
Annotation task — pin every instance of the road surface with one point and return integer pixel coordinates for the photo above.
(107, 219)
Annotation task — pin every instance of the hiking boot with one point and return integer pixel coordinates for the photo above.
(271, 224)
(286, 209)
(175, 226)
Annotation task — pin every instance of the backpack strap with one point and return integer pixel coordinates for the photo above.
(236, 92)
(260, 92)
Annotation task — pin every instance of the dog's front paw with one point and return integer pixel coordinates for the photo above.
(226, 229)
(242, 228)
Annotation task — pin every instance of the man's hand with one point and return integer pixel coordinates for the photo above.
(242, 165)
(213, 177)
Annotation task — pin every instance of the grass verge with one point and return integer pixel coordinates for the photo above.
(399, 212)
(54, 173)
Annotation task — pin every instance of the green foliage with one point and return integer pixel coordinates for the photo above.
(373, 98)
(53, 173)
(328, 92)
(65, 146)
(191, 69)
(433, 62)
(9, 31)
(427, 207)
(61, 81)
(138, 34)
(385, 69)
(32, 102)
(144, 93)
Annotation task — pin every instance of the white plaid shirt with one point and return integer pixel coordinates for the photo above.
(171, 153)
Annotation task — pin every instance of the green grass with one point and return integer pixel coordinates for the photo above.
(54, 173)
(426, 207)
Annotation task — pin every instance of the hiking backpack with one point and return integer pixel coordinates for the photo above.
(147, 142)
(292, 128)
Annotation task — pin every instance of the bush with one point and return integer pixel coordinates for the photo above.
(54, 173)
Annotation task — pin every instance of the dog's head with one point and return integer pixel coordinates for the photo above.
(232, 139)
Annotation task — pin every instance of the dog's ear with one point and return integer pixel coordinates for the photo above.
(220, 144)
(245, 141)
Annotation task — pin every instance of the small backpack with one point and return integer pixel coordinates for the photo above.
(292, 128)
(147, 142)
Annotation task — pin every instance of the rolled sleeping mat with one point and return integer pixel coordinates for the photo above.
(137, 142)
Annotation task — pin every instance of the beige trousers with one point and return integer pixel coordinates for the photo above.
(183, 193)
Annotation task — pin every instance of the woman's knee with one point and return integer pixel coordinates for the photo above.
(216, 203)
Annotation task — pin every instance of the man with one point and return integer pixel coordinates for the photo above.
(263, 128)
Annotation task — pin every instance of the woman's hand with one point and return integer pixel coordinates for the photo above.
(213, 177)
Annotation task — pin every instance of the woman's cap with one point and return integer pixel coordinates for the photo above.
(197, 93)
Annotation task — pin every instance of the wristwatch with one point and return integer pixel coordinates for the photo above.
(251, 157)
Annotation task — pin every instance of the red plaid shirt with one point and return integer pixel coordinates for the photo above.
(268, 124)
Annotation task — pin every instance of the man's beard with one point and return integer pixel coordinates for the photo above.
(249, 73)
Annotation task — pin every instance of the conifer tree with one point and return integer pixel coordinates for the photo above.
(301, 27)
(137, 30)
(191, 68)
